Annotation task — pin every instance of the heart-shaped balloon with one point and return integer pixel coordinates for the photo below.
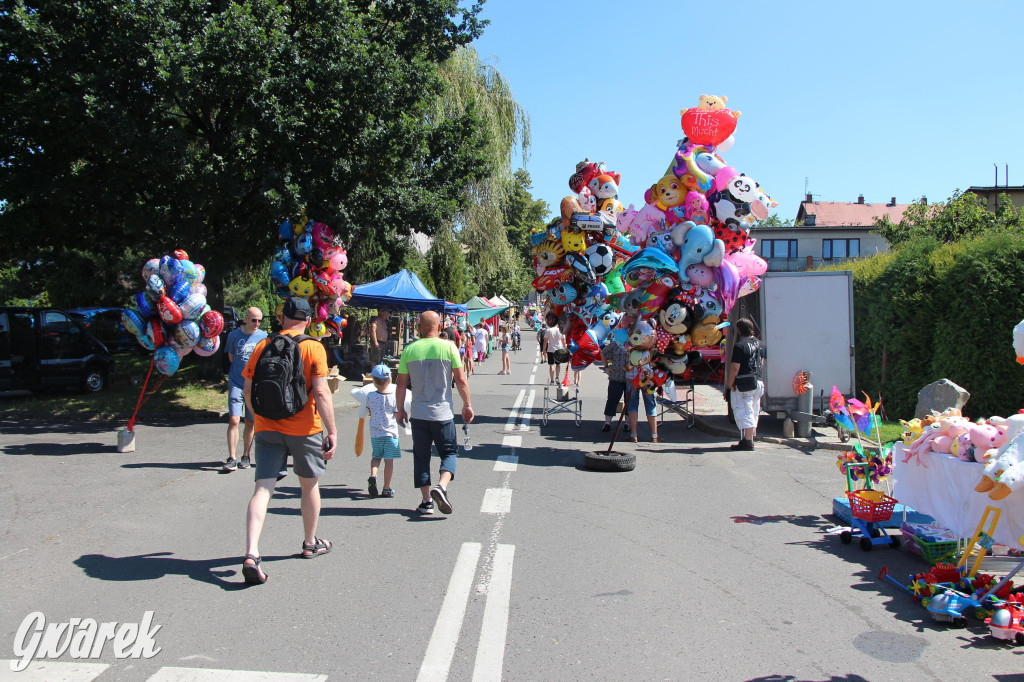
(709, 127)
(169, 310)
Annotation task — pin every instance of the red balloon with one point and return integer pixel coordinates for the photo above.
(169, 310)
(180, 254)
(706, 126)
(211, 324)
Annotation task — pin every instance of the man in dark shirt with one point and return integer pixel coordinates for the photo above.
(744, 383)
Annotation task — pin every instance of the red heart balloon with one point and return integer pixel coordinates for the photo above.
(169, 310)
(706, 126)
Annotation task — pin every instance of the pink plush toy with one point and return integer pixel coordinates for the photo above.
(986, 438)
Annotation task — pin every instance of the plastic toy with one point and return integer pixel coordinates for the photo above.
(1007, 623)
(868, 507)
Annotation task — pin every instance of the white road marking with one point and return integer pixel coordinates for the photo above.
(513, 416)
(438, 659)
(210, 675)
(490, 654)
(497, 501)
(507, 462)
(525, 426)
(49, 671)
(531, 379)
(512, 441)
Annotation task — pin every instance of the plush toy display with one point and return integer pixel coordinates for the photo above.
(308, 264)
(171, 317)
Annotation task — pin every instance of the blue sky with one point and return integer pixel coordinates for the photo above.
(899, 98)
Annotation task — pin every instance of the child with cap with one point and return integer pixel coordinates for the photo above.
(383, 430)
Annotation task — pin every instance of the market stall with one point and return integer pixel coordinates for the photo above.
(943, 487)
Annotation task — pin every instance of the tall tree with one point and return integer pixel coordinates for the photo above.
(155, 124)
(474, 88)
(523, 215)
(447, 266)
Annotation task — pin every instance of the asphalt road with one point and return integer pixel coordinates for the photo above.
(702, 564)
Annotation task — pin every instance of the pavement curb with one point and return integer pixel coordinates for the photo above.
(798, 443)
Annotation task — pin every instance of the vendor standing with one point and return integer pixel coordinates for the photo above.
(378, 333)
(744, 382)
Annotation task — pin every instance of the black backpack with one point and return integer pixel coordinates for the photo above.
(278, 383)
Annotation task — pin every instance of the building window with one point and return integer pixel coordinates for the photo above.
(778, 248)
(838, 249)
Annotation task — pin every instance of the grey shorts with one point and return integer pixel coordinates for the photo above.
(272, 449)
(236, 403)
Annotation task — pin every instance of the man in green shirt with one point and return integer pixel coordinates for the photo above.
(429, 365)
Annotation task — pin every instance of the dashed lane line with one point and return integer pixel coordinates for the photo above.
(513, 416)
(490, 654)
(209, 675)
(525, 425)
(441, 648)
(46, 671)
(497, 501)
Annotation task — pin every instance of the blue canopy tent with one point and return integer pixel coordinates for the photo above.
(454, 308)
(400, 291)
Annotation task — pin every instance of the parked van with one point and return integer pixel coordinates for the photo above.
(45, 348)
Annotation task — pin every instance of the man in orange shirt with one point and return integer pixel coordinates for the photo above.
(309, 436)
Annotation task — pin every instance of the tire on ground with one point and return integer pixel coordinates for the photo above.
(601, 461)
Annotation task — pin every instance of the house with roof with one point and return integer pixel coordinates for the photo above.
(825, 232)
(991, 194)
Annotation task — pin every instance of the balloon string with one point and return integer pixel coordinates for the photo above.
(142, 394)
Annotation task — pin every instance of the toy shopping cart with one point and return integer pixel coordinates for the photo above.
(868, 508)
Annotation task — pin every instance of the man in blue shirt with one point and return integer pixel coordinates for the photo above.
(238, 348)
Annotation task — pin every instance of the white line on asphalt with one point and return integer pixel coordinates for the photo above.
(497, 501)
(507, 462)
(210, 675)
(490, 654)
(510, 425)
(511, 441)
(525, 426)
(441, 649)
(531, 379)
(46, 671)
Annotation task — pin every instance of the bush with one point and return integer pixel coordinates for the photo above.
(928, 311)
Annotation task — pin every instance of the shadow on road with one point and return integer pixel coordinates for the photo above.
(157, 565)
(197, 466)
(58, 449)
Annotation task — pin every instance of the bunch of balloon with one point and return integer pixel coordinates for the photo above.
(308, 264)
(171, 318)
(578, 259)
(696, 257)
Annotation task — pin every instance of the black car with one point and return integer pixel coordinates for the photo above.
(105, 324)
(45, 348)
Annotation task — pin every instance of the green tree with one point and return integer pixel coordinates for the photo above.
(448, 266)
(523, 215)
(473, 88)
(158, 124)
(962, 215)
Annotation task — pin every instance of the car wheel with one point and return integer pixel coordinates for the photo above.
(94, 380)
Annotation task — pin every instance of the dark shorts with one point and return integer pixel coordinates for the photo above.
(551, 358)
(272, 449)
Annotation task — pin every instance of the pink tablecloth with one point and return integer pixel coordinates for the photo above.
(945, 490)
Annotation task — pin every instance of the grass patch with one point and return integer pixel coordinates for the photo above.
(182, 393)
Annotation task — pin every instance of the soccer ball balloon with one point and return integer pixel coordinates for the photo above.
(601, 258)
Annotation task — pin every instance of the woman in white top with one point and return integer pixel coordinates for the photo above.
(553, 340)
(480, 342)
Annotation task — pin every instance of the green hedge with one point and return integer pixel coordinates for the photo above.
(928, 311)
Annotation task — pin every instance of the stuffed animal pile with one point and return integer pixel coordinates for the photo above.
(308, 264)
(578, 259)
(992, 442)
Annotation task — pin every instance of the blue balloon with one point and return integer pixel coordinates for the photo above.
(279, 273)
(145, 342)
(652, 258)
(189, 271)
(304, 243)
(283, 254)
(180, 290)
(170, 270)
(146, 309)
(166, 360)
(133, 321)
(285, 230)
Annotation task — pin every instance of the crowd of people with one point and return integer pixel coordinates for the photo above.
(278, 388)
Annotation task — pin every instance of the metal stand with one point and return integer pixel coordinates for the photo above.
(683, 405)
(573, 405)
